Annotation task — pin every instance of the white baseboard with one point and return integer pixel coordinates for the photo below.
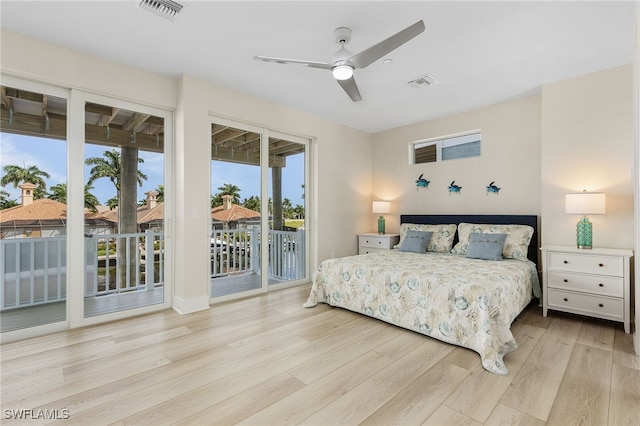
(191, 305)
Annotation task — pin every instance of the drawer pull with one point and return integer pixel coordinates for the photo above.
(565, 280)
(600, 265)
(565, 299)
(600, 285)
(601, 305)
(565, 261)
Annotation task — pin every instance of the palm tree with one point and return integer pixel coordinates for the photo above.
(160, 196)
(14, 174)
(91, 202)
(5, 202)
(110, 166)
(121, 168)
(299, 211)
(59, 193)
(287, 208)
(112, 203)
(226, 189)
(252, 203)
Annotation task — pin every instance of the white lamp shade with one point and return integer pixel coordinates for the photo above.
(381, 207)
(585, 203)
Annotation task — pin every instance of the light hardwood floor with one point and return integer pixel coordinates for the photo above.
(268, 361)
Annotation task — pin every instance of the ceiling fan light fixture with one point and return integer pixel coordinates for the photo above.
(342, 72)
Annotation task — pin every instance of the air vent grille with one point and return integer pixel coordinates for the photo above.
(166, 8)
(423, 81)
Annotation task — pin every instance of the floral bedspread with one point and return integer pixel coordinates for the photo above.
(466, 302)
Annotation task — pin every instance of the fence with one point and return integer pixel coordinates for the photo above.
(117, 263)
(235, 251)
(33, 270)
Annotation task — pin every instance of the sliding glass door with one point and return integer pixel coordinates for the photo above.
(287, 230)
(258, 181)
(33, 213)
(83, 207)
(125, 256)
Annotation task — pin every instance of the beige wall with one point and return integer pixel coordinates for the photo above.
(578, 134)
(510, 156)
(44, 62)
(341, 169)
(587, 143)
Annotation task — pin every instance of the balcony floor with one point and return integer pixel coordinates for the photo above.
(31, 316)
(232, 284)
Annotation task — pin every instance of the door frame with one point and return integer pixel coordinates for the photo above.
(265, 134)
(76, 202)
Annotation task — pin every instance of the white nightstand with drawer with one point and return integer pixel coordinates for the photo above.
(372, 242)
(593, 282)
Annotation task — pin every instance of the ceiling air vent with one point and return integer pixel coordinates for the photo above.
(423, 81)
(166, 8)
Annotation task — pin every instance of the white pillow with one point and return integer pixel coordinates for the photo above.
(441, 240)
(515, 246)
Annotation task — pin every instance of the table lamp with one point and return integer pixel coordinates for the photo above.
(584, 203)
(381, 207)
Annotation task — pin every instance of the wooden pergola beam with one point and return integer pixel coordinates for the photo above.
(23, 94)
(226, 135)
(134, 121)
(27, 124)
(6, 101)
(231, 155)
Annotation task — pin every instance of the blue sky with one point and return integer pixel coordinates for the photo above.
(50, 155)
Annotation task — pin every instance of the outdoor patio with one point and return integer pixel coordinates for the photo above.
(36, 293)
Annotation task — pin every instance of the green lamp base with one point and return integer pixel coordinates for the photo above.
(381, 225)
(584, 233)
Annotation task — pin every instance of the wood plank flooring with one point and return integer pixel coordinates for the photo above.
(267, 360)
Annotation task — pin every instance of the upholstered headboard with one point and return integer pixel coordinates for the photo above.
(439, 219)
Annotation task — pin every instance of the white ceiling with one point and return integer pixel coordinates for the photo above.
(481, 52)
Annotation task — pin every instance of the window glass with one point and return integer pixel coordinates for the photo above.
(446, 148)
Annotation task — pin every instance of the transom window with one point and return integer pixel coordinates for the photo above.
(445, 148)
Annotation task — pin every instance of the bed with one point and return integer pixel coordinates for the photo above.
(456, 291)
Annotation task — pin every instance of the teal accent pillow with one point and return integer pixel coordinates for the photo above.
(486, 246)
(416, 241)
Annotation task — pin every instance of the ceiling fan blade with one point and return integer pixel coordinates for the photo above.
(310, 64)
(375, 52)
(351, 88)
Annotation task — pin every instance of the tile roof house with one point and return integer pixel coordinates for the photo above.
(229, 215)
(148, 216)
(33, 218)
(44, 218)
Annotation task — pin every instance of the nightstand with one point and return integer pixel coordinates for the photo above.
(593, 282)
(372, 242)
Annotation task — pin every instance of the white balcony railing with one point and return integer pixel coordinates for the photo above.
(236, 251)
(286, 255)
(118, 263)
(33, 270)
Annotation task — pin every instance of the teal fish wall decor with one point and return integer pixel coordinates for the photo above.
(492, 189)
(453, 188)
(422, 182)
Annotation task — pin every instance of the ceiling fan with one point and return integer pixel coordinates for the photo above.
(344, 62)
